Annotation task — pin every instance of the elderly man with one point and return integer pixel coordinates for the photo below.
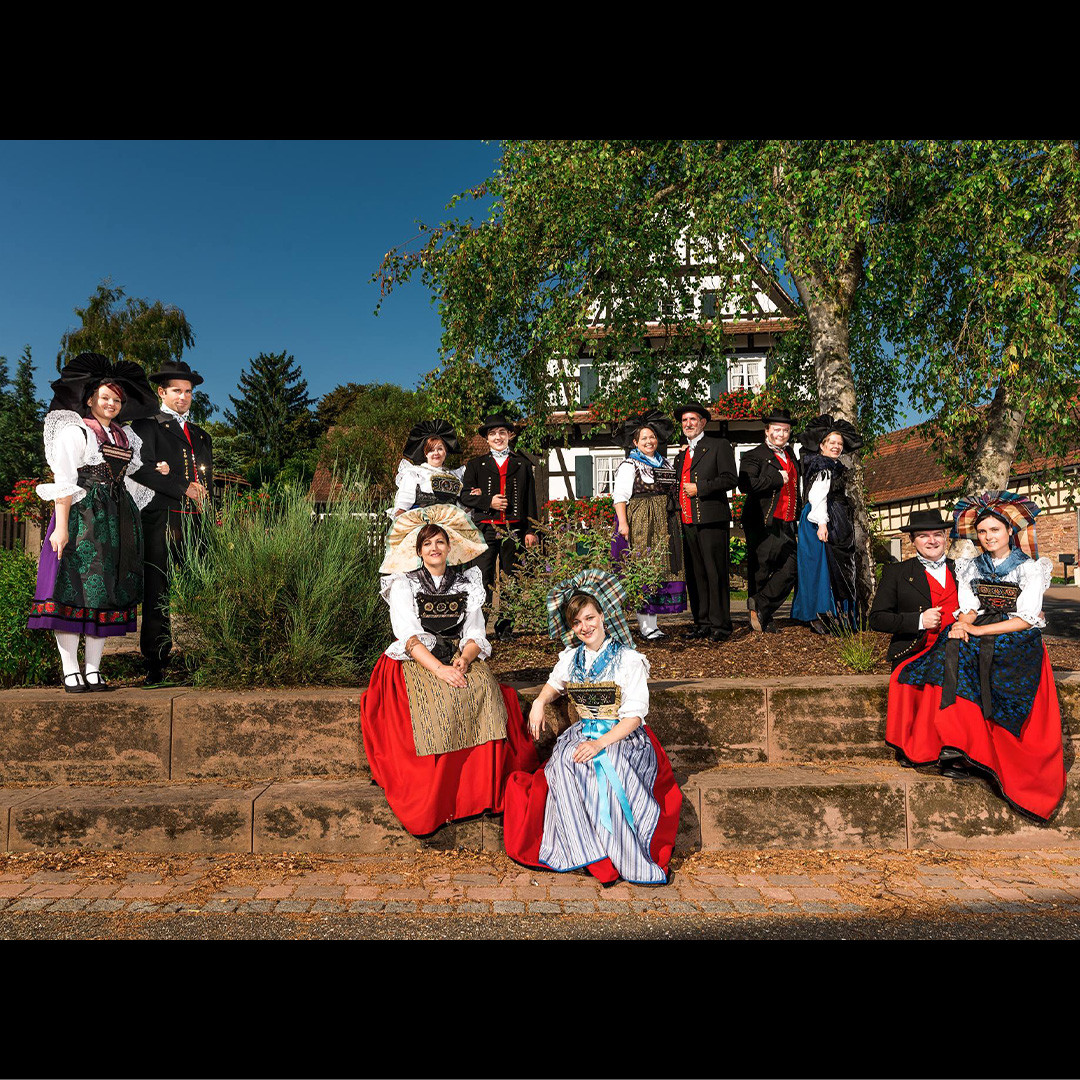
(916, 599)
(706, 472)
(178, 465)
(769, 478)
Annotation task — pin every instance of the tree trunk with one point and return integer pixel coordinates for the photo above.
(994, 455)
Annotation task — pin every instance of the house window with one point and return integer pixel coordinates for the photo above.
(604, 468)
(745, 373)
(708, 304)
(587, 382)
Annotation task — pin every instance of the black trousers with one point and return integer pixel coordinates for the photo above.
(501, 553)
(705, 548)
(775, 567)
(163, 539)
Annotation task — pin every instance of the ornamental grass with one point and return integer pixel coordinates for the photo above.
(277, 595)
(27, 657)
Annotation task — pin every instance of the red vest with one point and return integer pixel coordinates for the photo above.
(944, 597)
(501, 519)
(684, 499)
(788, 498)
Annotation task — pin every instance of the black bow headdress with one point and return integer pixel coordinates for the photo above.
(653, 419)
(83, 374)
(430, 429)
(821, 426)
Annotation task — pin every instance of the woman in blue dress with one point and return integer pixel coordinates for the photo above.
(826, 540)
(607, 799)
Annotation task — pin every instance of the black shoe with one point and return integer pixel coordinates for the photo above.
(819, 628)
(95, 681)
(719, 635)
(956, 774)
(79, 686)
(695, 632)
(769, 627)
(155, 676)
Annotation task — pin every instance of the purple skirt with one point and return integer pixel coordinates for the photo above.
(48, 613)
(669, 598)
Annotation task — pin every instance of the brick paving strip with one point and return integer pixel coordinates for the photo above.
(428, 882)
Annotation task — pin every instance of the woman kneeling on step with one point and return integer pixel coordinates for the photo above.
(440, 734)
(607, 799)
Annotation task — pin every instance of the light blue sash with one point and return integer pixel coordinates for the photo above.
(605, 774)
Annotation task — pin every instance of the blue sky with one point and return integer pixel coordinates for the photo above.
(265, 245)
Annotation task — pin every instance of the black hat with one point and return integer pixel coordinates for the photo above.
(822, 426)
(497, 420)
(430, 429)
(926, 521)
(653, 419)
(693, 406)
(176, 369)
(777, 416)
(83, 374)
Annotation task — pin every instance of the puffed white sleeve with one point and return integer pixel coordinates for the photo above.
(965, 595)
(66, 450)
(475, 628)
(634, 684)
(406, 489)
(139, 492)
(624, 482)
(1034, 581)
(817, 497)
(403, 617)
(560, 673)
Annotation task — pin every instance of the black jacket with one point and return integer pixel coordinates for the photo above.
(761, 483)
(713, 470)
(902, 595)
(163, 440)
(482, 472)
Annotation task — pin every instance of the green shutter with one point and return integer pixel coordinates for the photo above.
(583, 477)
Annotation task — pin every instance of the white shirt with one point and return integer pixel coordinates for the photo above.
(410, 476)
(400, 592)
(1033, 577)
(630, 672)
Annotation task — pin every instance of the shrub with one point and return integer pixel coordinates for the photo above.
(273, 596)
(27, 657)
(858, 648)
(563, 551)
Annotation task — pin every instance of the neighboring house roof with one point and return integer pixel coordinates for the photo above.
(903, 467)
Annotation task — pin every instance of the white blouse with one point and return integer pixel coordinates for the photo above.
(817, 497)
(70, 445)
(400, 592)
(630, 672)
(623, 486)
(1033, 577)
(409, 476)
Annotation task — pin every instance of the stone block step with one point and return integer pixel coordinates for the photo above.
(191, 735)
(851, 806)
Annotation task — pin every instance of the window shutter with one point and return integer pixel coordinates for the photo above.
(583, 477)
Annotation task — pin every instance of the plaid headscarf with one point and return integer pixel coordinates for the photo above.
(1017, 511)
(610, 596)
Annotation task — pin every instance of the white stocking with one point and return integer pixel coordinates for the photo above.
(68, 644)
(646, 623)
(95, 646)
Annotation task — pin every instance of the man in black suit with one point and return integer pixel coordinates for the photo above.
(706, 472)
(904, 602)
(178, 465)
(769, 478)
(506, 473)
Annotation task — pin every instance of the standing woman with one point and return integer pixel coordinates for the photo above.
(607, 799)
(981, 698)
(826, 541)
(423, 478)
(440, 734)
(647, 516)
(89, 579)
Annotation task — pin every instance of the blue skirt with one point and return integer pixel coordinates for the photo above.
(813, 593)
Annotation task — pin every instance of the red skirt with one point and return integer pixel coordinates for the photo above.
(1030, 769)
(523, 820)
(427, 792)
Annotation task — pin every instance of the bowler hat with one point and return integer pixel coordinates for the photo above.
(926, 521)
(692, 406)
(777, 416)
(175, 369)
(497, 420)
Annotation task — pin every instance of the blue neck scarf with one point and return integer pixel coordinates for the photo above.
(985, 564)
(605, 660)
(655, 462)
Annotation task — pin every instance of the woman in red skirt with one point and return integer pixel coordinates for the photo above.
(440, 734)
(981, 698)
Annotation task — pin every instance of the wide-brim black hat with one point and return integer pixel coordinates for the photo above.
(497, 420)
(430, 429)
(176, 369)
(777, 416)
(83, 374)
(692, 406)
(926, 521)
(627, 432)
(822, 426)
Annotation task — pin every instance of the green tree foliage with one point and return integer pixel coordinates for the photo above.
(371, 434)
(22, 453)
(127, 328)
(463, 392)
(272, 417)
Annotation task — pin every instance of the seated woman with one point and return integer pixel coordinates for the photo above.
(826, 540)
(424, 480)
(90, 571)
(647, 516)
(607, 798)
(982, 698)
(441, 735)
